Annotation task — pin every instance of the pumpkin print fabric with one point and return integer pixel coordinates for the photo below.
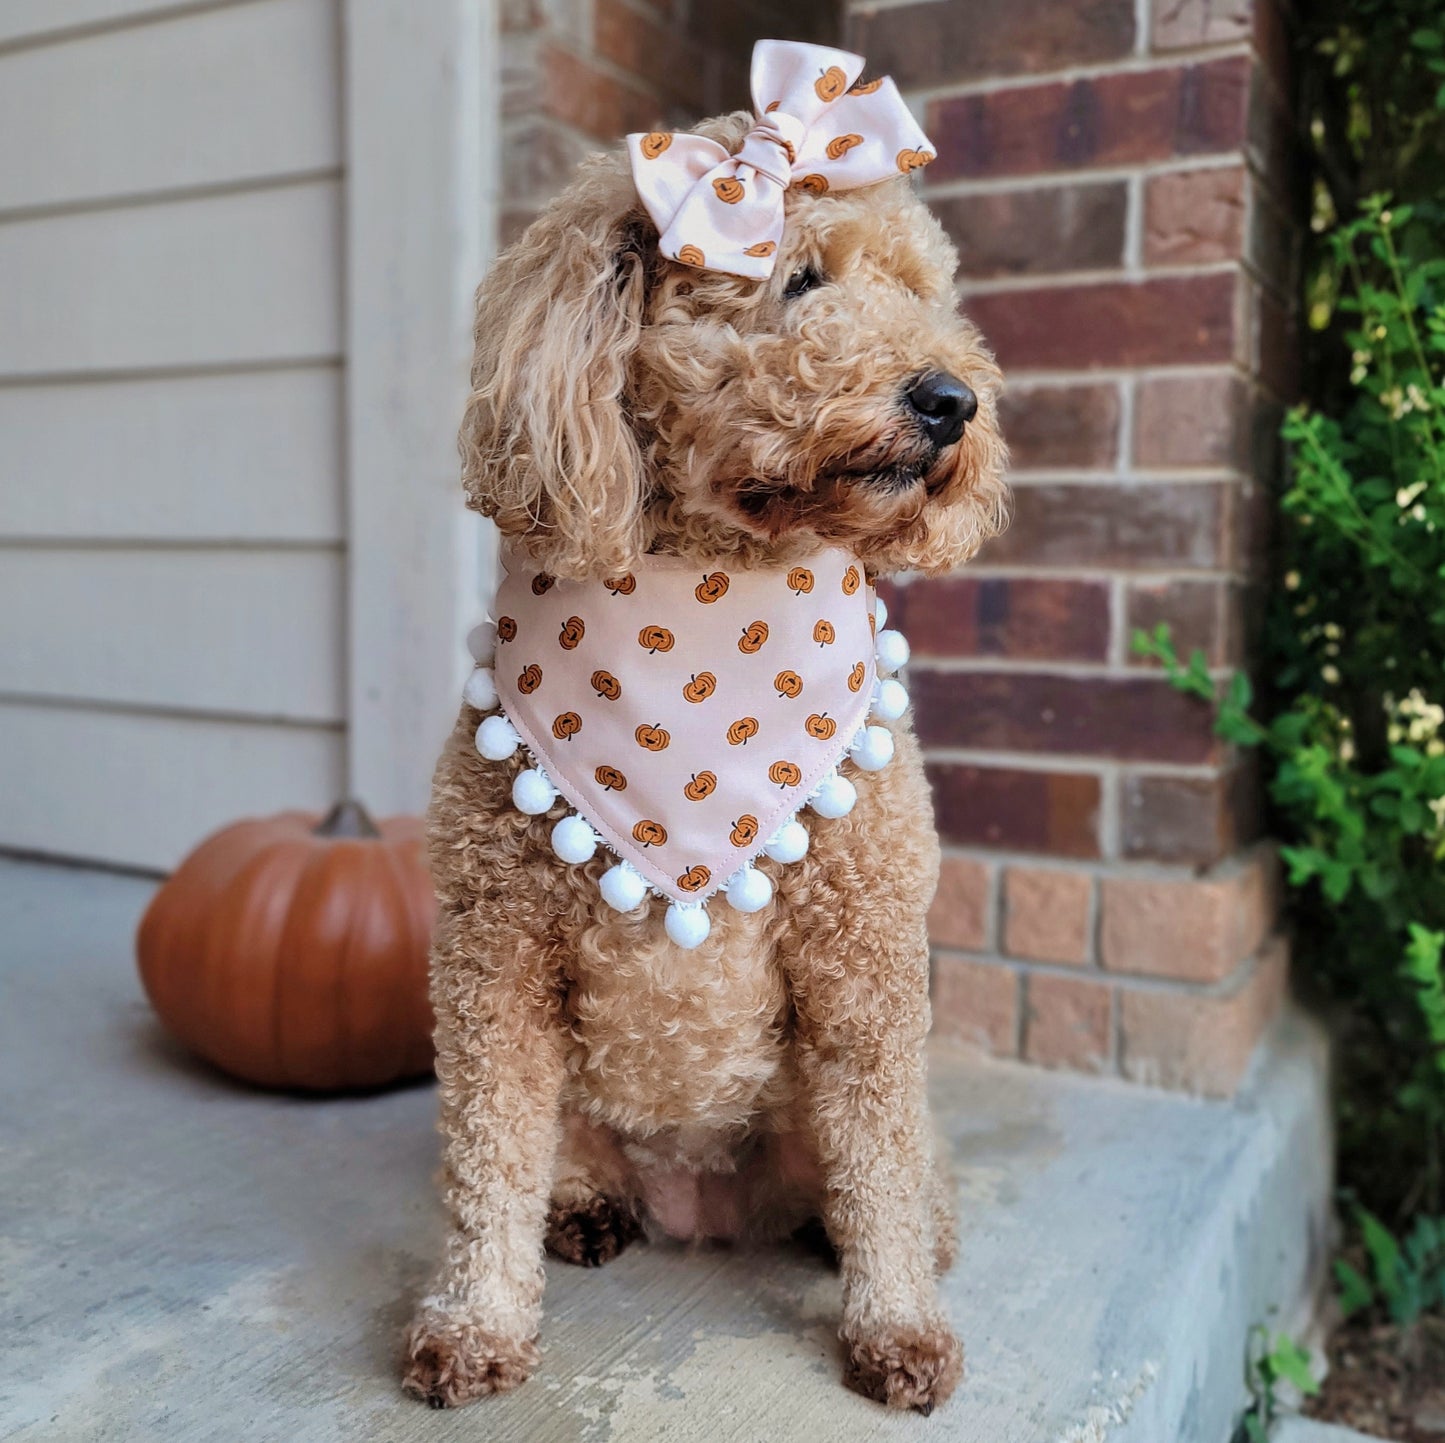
(687, 746)
(818, 129)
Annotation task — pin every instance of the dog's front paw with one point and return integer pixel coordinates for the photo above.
(450, 1362)
(909, 1368)
(593, 1232)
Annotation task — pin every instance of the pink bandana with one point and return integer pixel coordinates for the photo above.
(686, 717)
(816, 129)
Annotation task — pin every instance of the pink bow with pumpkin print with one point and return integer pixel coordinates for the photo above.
(817, 129)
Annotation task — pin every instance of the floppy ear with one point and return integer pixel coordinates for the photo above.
(547, 444)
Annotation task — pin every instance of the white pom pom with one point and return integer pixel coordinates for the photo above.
(891, 650)
(880, 612)
(872, 748)
(789, 843)
(748, 890)
(622, 887)
(533, 793)
(687, 926)
(890, 699)
(480, 690)
(482, 642)
(497, 738)
(573, 840)
(835, 796)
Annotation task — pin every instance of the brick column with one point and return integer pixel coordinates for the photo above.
(1119, 189)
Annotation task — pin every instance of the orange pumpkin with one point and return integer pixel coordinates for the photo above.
(506, 628)
(763, 248)
(610, 779)
(530, 679)
(801, 580)
(785, 774)
(653, 738)
(542, 583)
(840, 145)
(864, 87)
(700, 687)
(702, 786)
(820, 725)
(745, 830)
(755, 633)
(823, 633)
(788, 683)
(728, 189)
(654, 143)
(294, 954)
(850, 581)
(691, 256)
(572, 632)
(655, 639)
(831, 83)
(913, 159)
(623, 585)
(649, 833)
(857, 676)
(712, 587)
(694, 879)
(814, 184)
(741, 730)
(566, 726)
(606, 685)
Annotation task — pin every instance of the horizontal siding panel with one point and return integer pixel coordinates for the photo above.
(141, 791)
(234, 278)
(249, 632)
(221, 96)
(213, 457)
(30, 20)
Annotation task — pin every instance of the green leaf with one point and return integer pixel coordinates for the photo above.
(1355, 1292)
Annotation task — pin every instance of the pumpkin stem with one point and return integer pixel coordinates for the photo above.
(347, 819)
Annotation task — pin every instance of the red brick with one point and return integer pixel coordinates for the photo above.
(1054, 813)
(1183, 24)
(1037, 232)
(1201, 614)
(1132, 719)
(1197, 821)
(1196, 420)
(961, 915)
(1202, 1042)
(1184, 526)
(932, 44)
(1173, 320)
(1047, 914)
(1024, 618)
(1194, 217)
(976, 1002)
(1121, 119)
(1061, 426)
(1195, 929)
(655, 53)
(1068, 1023)
(585, 97)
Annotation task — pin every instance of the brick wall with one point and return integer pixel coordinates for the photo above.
(1116, 176)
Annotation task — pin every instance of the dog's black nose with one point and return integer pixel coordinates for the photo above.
(943, 405)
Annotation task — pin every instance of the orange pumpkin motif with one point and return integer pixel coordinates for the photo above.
(566, 726)
(788, 683)
(623, 585)
(573, 629)
(755, 633)
(913, 159)
(851, 581)
(824, 634)
(700, 687)
(857, 676)
(650, 833)
(745, 830)
(606, 685)
(830, 84)
(728, 189)
(864, 87)
(742, 730)
(820, 725)
(814, 184)
(506, 628)
(785, 774)
(694, 879)
(763, 248)
(840, 145)
(542, 583)
(800, 579)
(702, 786)
(610, 779)
(713, 587)
(691, 256)
(530, 679)
(656, 638)
(654, 143)
(771, 106)
(653, 738)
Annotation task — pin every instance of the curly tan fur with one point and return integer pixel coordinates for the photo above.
(594, 1079)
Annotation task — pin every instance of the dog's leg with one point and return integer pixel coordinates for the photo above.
(592, 1215)
(500, 1070)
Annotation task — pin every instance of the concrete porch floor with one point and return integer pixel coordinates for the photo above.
(183, 1259)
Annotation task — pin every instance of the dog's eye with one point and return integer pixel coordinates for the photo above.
(801, 282)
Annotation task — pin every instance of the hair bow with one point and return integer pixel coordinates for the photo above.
(817, 128)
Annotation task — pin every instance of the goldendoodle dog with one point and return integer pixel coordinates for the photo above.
(599, 1079)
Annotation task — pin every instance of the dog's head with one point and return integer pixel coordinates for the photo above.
(623, 403)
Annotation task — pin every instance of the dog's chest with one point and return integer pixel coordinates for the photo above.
(664, 1037)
